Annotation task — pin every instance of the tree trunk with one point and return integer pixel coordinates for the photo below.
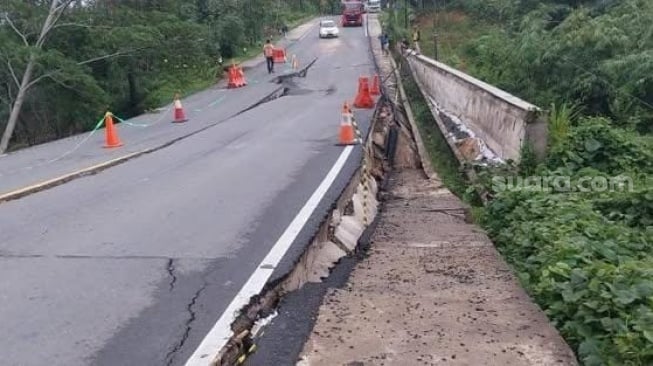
(27, 77)
(134, 100)
(17, 106)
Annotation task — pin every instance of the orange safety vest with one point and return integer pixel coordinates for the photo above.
(267, 50)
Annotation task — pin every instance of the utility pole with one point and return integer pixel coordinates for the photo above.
(435, 45)
(435, 35)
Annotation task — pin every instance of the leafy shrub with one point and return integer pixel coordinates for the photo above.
(633, 209)
(593, 277)
(585, 257)
(595, 144)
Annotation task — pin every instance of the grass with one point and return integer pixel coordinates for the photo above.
(560, 119)
(454, 30)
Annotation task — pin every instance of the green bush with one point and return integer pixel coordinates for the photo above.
(593, 276)
(586, 256)
(594, 143)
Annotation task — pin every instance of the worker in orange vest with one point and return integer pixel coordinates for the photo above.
(268, 52)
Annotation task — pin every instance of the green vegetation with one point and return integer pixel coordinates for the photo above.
(443, 160)
(586, 256)
(128, 55)
(581, 243)
(596, 54)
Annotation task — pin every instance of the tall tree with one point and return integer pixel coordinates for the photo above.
(57, 7)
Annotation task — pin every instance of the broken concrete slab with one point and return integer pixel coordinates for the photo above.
(348, 232)
(327, 254)
(359, 205)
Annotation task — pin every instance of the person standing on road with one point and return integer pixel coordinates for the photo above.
(404, 46)
(385, 43)
(269, 55)
(416, 34)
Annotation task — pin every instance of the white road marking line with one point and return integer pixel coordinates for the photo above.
(221, 332)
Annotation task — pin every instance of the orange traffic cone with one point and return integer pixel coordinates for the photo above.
(180, 116)
(347, 134)
(376, 87)
(279, 56)
(111, 136)
(236, 77)
(363, 98)
(241, 76)
(233, 77)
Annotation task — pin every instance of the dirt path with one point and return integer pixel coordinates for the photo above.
(433, 291)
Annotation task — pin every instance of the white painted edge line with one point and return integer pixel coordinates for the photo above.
(221, 332)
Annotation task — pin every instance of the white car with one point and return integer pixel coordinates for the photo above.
(373, 6)
(328, 29)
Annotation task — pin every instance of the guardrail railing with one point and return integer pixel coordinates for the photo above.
(473, 112)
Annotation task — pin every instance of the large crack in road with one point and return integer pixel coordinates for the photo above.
(170, 357)
(171, 272)
(289, 88)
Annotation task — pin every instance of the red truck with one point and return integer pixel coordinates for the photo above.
(352, 13)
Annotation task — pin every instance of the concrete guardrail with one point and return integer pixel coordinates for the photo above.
(470, 109)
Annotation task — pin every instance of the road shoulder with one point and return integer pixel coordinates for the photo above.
(432, 290)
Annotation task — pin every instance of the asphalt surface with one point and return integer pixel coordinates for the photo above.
(282, 340)
(134, 265)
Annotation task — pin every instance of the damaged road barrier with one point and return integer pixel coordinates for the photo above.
(346, 135)
(179, 115)
(111, 135)
(363, 97)
(375, 90)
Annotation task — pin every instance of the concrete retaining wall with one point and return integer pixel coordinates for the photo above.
(503, 121)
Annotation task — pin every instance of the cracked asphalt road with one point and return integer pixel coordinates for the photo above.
(134, 265)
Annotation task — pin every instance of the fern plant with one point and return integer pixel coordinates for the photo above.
(561, 118)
